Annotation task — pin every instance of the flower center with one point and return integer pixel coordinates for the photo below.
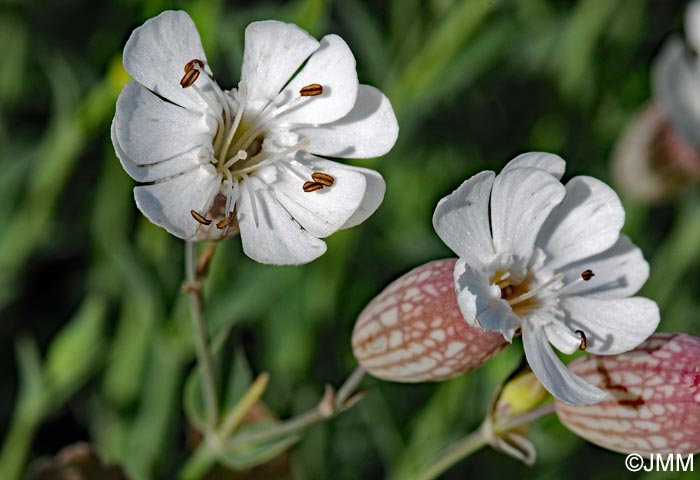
(527, 295)
(239, 146)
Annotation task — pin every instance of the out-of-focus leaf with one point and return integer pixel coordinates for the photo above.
(75, 351)
(678, 254)
(193, 396)
(256, 453)
(129, 350)
(435, 56)
(148, 442)
(206, 15)
(55, 157)
(484, 51)
(311, 15)
(367, 42)
(402, 15)
(14, 40)
(235, 379)
(32, 403)
(382, 426)
(31, 400)
(576, 63)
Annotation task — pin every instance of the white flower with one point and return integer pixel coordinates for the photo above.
(550, 262)
(676, 78)
(216, 161)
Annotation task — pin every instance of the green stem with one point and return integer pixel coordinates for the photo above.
(476, 440)
(204, 458)
(16, 446)
(204, 357)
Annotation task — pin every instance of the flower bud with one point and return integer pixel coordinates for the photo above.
(652, 161)
(414, 330)
(654, 398)
(519, 395)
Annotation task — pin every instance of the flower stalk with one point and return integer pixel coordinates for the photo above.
(478, 439)
(193, 287)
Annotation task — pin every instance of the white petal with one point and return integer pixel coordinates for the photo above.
(161, 170)
(156, 54)
(374, 195)
(333, 67)
(553, 374)
(611, 326)
(692, 24)
(521, 200)
(273, 52)
(151, 130)
(268, 233)
(168, 204)
(619, 272)
(369, 130)
(675, 81)
(549, 162)
(587, 222)
(562, 337)
(461, 220)
(324, 211)
(481, 303)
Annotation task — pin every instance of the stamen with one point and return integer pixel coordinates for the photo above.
(191, 64)
(242, 98)
(200, 218)
(288, 151)
(189, 77)
(312, 186)
(535, 291)
(586, 275)
(311, 90)
(323, 178)
(225, 222)
(583, 339)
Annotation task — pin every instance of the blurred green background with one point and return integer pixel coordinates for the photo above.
(95, 339)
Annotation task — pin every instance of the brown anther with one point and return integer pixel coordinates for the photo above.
(311, 90)
(225, 222)
(200, 218)
(189, 78)
(587, 275)
(312, 186)
(583, 339)
(323, 178)
(190, 65)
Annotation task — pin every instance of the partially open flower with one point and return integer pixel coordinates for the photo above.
(654, 398)
(658, 153)
(218, 161)
(547, 261)
(414, 331)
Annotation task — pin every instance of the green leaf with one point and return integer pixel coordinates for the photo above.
(435, 56)
(74, 352)
(234, 380)
(311, 15)
(256, 453)
(31, 400)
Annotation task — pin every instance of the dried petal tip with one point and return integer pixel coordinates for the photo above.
(414, 330)
(654, 398)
